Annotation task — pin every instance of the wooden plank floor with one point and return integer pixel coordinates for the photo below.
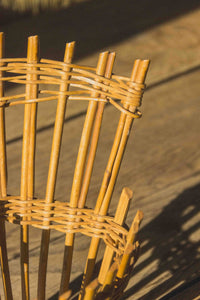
(161, 164)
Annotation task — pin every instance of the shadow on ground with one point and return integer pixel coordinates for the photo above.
(174, 236)
(93, 24)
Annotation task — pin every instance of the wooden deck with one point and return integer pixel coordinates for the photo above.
(162, 161)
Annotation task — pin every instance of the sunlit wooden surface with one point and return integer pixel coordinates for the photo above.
(162, 168)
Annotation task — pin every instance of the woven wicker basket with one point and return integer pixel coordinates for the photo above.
(98, 86)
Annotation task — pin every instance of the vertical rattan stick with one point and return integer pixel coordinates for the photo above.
(32, 141)
(3, 189)
(3, 166)
(90, 290)
(85, 138)
(111, 160)
(125, 262)
(103, 201)
(66, 296)
(4, 263)
(53, 166)
(134, 227)
(108, 73)
(78, 174)
(130, 243)
(58, 128)
(120, 216)
(116, 290)
(95, 138)
(27, 148)
(109, 279)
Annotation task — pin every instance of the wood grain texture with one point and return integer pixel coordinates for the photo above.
(163, 170)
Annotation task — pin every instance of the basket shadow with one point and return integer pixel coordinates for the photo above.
(76, 283)
(173, 236)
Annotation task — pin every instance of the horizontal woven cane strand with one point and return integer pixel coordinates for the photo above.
(82, 78)
(61, 217)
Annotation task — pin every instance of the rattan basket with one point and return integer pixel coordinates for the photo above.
(99, 87)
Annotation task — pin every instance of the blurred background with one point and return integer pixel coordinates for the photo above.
(162, 161)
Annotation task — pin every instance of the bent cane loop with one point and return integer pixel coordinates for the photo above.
(78, 173)
(53, 166)
(3, 187)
